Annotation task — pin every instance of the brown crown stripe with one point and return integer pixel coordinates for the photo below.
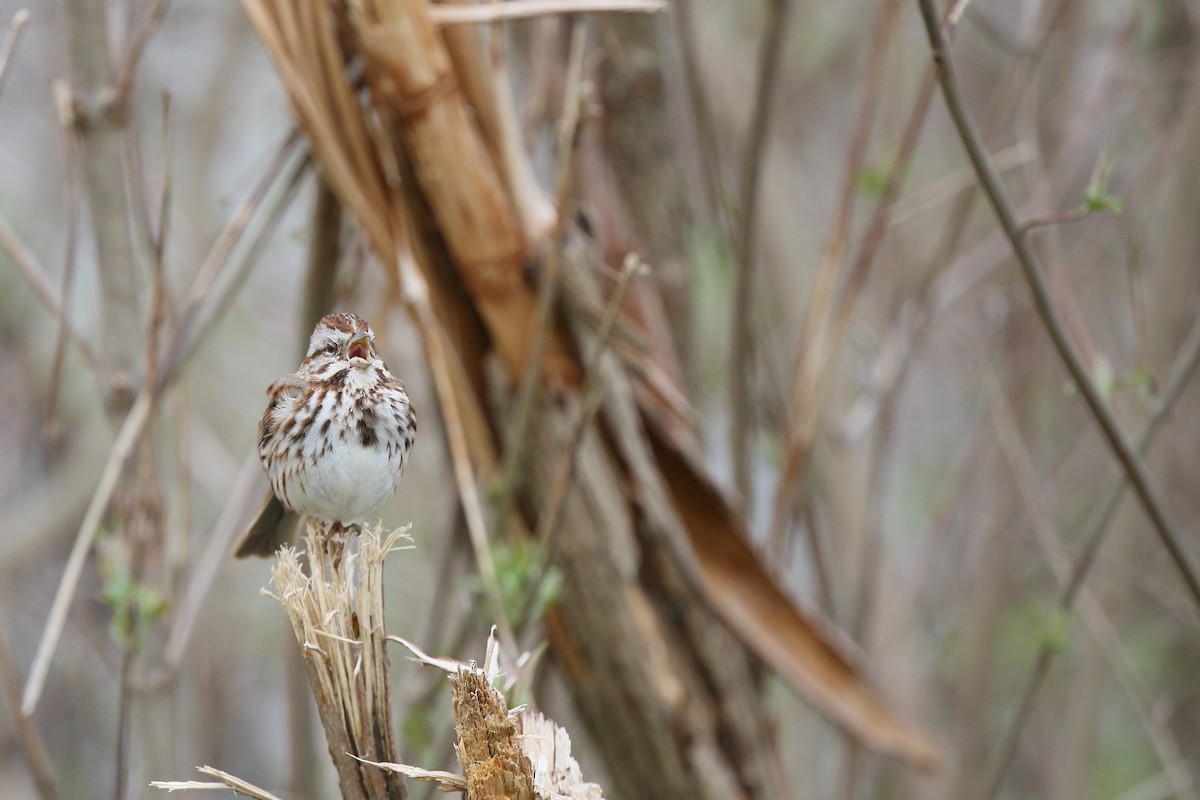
(350, 323)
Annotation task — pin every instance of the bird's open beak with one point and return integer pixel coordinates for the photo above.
(359, 351)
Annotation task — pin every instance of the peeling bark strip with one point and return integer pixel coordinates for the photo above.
(488, 749)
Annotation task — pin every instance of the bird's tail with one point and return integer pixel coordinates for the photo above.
(272, 527)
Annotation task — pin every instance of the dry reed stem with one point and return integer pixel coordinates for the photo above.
(414, 87)
(464, 14)
(504, 755)
(303, 45)
(337, 616)
(227, 781)
(485, 82)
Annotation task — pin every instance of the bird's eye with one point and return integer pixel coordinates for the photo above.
(331, 347)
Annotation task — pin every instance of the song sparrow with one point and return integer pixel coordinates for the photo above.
(334, 438)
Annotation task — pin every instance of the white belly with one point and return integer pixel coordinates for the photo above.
(323, 469)
(346, 484)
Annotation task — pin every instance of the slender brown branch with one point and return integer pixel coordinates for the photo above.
(100, 136)
(208, 299)
(117, 95)
(15, 30)
(702, 118)
(124, 707)
(416, 296)
(1118, 440)
(1096, 529)
(741, 371)
(28, 736)
(1091, 612)
(455, 14)
(31, 269)
(816, 344)
(71, 204)
(126, 442)
(548, 288)
(1053, 218)
(159, 247)
(592, 396)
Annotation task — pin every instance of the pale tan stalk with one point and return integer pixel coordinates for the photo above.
(412, 81)
(337, 615)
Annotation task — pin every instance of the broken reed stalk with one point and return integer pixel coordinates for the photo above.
(504, 755)
(337, 615)
(487, 743)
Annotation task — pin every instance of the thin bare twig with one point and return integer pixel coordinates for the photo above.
(741, 354)
(1118, 440)
(816, 343)
(227, 781)
(15, 29)
(247, 487)
(28, 736)
(592, 396)
(548, 285)
(124, 446)
(159, 246)
(31, 269)
(100, 138)
(1060, 217)
(1096, 529)
(73, 197)
(118, 94)
(205, 300)
(416, 296)
(1091, 612)
(451, 14)
(124, 705)
(702, 119)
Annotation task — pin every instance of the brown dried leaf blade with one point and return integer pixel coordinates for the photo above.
(801, 647)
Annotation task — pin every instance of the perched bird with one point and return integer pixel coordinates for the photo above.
(334, 439)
